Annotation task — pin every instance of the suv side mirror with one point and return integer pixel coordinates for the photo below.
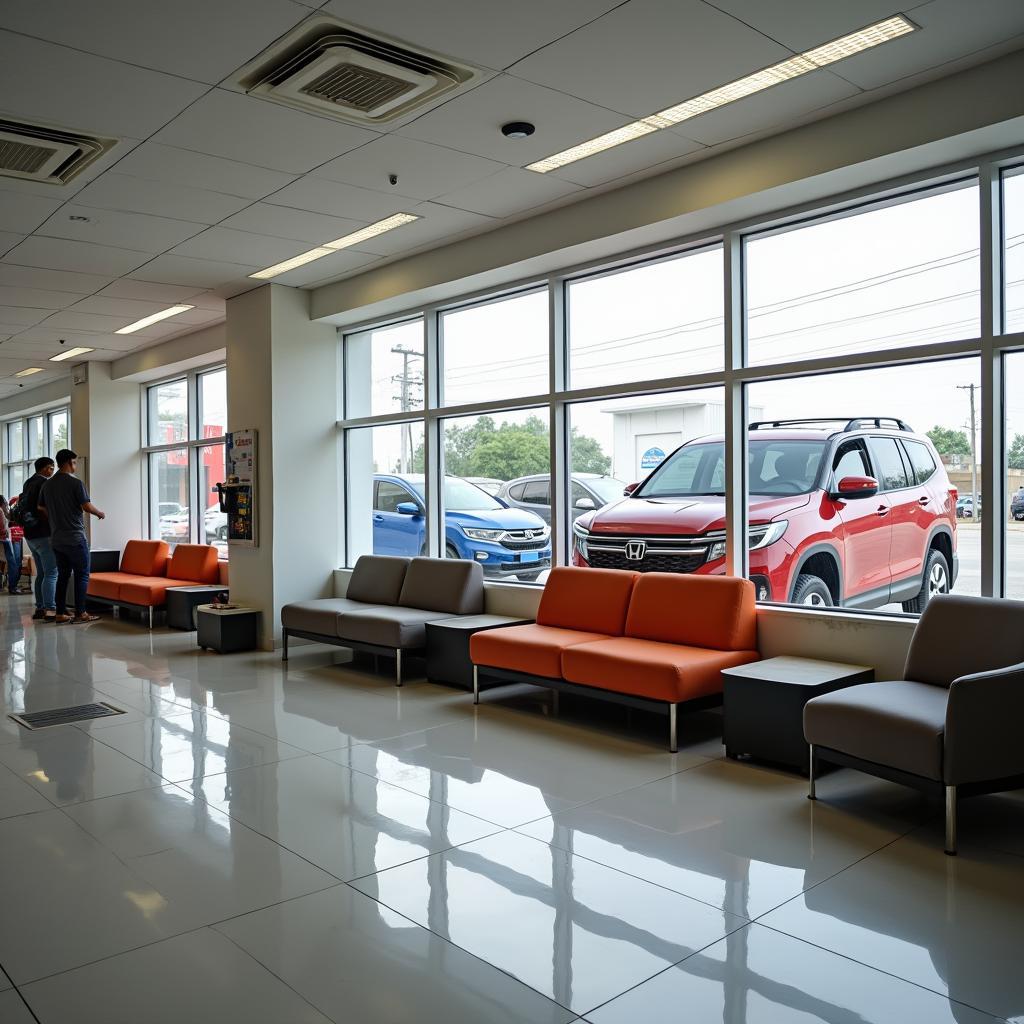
(856, 487)
(585, 504)
(407, 508)
(629, 489)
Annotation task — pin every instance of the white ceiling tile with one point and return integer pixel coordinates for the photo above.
(243, 284)
(124, 230)
(241, 247)
(331, 197)
(128, 310)
(24, 316)
(630, 158)
(510, 191)
(186, 270)
(949, 29)
(489, 32)
(71, 320)
(472, 123)
(769, 109)
(36, 298)
(330, 268)
(424, 171)
(647, 55)
(191, 38)
(148, 291)
(22, 214)
(159, 198)
(65, 254)
(8, 240)
(198, 170)
(286, 222)
(437, 224)
(51, 280)
(239, 127)
(78, 91)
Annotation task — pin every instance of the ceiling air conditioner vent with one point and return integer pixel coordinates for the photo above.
(325, 67)
(34, 153)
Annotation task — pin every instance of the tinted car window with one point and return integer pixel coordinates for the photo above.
(889, 469)
(389, 496)
(850, 461)
(920, 459)
(516, 493)
(536, 493)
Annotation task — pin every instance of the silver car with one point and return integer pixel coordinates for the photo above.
(588, 491)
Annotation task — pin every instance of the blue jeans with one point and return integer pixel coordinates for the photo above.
(46, 571)
(72, 558)
(12, 555)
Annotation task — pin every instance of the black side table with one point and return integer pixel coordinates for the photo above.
(764, 705)
(233, 629)
(182, 603)
(448, 646)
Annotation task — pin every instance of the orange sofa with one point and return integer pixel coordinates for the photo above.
(148, 571)
(655, 641)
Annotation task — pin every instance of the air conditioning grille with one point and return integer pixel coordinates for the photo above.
(21, 157)
(357, 88)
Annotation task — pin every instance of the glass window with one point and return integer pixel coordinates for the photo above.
(921, 461)
(36, 437)
(661, 319)
(900, 274)
(213, 529)
(168, 488)
(890, 469)
(213, 403)
(391, 495)
(1014, 539)
(1013, 265)
(851, 460)
(58, 431)
(384, 370)
(537, 492)
(496, 350)
(15, 441)
(15, 480)
(168, 412)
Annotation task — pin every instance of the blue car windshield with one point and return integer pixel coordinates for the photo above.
(462, 496)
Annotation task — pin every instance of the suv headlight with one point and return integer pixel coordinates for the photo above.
(482, 534)
(580, 536)
(758, 537)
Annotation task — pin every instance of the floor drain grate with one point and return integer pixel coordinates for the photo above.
(65, 716)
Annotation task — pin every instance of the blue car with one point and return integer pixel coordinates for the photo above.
(507, 542)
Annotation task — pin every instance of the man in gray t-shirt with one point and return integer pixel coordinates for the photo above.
(63, 500)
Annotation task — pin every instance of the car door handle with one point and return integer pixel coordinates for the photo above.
(923, 501)
(378, 519)
(882, 511)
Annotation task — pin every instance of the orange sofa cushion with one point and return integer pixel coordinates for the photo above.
(592, 600)
(144, 558)
(149, 591)
(108, 584)
(194, 562)
(700, 611)
(534, 649)
(646, 668)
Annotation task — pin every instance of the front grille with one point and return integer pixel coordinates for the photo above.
(517, 540)
(649, 563)
(660, 554)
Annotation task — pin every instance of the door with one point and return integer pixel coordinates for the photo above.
(537, 498)
(866, 531)
(394, 533)
(898, 486)
(926, 507)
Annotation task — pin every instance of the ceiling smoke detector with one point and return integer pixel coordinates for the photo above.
(325, 67)
(34, 152)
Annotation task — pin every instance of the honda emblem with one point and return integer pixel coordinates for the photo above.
(635, 550)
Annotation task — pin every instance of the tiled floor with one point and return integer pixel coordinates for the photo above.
(306, 845)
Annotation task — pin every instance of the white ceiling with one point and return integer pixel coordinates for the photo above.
(206, 184)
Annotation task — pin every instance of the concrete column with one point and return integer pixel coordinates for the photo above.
(283, 376)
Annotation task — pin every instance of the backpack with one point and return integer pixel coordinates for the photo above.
(21, 515)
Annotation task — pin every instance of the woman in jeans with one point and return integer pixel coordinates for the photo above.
(12, 547)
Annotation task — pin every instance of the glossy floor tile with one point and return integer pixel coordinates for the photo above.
(574, 930)
(18, 797)
(737, 836)
(13, 1009)
(201, 977)
(756, 976)
(343, 821)
(358, 961)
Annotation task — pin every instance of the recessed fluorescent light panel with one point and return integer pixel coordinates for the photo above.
(154, 319)
(29, 371)
(70, 354)
(362, 235)
(784, 71)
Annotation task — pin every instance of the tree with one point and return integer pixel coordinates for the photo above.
(588, 456)
(1015, 456)
(950, 442)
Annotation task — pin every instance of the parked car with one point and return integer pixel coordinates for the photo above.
(965, 507)
(169, 508)
(861, 515)
(489, 484)
(1017, 505)
(215, 523)
(175, 525)
(588, 491)
(505, 541)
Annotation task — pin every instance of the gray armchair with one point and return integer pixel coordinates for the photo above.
(954, 725)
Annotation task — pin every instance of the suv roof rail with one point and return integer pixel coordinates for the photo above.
(854, 423)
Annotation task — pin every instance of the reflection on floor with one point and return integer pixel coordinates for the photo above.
(269, 845)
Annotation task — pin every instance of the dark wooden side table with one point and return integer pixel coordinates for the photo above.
(448, 646)
(764, 705)
(229, 630)
(182, 603)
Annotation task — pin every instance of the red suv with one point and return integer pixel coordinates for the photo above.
(860, 516)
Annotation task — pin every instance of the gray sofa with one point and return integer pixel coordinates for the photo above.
(952, 726)
(388, 604)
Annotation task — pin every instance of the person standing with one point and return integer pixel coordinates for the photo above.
(37, 536)
(12, 547)
(63, 500)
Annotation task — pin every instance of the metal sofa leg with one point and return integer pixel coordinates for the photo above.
(673, 744)
(812, 768)
(476, 685)
(398, 667)
(284, 648)
(150, 616)
(951, 821)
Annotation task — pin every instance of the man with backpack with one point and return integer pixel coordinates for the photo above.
(11, 546)
(37, 536)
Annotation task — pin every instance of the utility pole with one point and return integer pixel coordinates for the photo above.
(975, 511)
(405, 400)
